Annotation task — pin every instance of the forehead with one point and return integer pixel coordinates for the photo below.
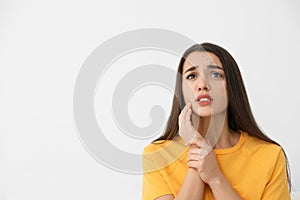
(200, 58)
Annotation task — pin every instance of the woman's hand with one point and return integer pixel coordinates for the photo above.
(203, 158)
(186, 130)
(201, 155)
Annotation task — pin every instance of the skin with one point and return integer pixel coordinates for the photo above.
(204, 80)
(204, 172)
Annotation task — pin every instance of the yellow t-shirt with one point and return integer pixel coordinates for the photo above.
(255, 169)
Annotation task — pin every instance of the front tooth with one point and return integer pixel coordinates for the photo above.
(204, 99)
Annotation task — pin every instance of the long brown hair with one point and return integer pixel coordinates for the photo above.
(239, 112)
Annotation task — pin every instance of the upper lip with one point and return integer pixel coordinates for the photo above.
(204, 96)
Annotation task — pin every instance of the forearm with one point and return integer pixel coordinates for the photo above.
(192, 187)
(222, 190)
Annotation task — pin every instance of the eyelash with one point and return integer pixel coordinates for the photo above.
(217, 73)
(189, 76)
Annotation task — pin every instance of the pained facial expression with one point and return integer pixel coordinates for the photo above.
(203, 77)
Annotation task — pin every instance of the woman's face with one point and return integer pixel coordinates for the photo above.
(204, 84)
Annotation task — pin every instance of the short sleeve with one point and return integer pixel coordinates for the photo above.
(154, 184)
(277, 186)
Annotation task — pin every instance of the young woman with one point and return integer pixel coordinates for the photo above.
(212, 147)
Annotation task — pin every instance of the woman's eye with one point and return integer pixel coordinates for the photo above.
(190, 76)
(216, 75)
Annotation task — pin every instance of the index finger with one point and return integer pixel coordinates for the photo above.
(184, 111)
(199, 141)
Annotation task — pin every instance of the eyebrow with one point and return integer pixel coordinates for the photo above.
(208, 66)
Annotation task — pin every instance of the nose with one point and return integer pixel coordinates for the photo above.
(202, 84)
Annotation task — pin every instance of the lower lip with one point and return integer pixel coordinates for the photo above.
(204, 103)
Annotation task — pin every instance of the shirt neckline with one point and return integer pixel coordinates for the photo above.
(234, 148)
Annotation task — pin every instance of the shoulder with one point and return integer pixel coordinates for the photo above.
(156, 146)
(163, 153)
(265, 153)
(256, 145)
(165, 145)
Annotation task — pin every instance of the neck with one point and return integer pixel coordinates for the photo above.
(215, 130)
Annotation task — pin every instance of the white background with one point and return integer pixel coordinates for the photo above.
(43, 45)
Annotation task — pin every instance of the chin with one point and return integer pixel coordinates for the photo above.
(203, 114)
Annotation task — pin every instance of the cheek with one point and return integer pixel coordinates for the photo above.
(225, 93)
(187, 92)
(219, 91)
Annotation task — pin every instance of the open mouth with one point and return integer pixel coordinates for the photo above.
(204, 99)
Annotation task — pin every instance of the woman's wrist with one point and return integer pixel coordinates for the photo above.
(196, 178)
(222, 189)
(194, 172)
(217, 181)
